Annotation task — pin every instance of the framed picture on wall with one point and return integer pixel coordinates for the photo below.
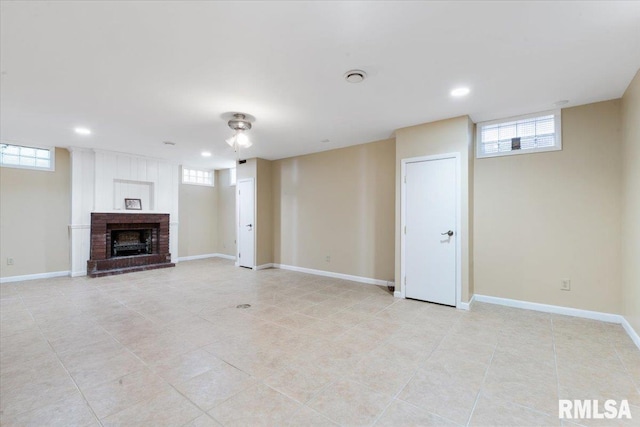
(133, 204)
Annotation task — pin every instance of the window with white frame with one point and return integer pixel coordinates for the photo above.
(18, 156)
(197, 176)
(519, 135)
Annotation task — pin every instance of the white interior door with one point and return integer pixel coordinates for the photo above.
(246, 223)
(430, 235)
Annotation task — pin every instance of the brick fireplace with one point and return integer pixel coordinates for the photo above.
(126, 242)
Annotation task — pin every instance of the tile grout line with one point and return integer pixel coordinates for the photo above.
(145, 364)
(63, 366)
(555, 357)
(415, 372)
(626, 369)
(147, 291)
(326, 386)
(484, 378)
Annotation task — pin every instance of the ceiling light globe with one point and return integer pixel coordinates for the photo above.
(243, 140)
(460, 91)
(82, 131)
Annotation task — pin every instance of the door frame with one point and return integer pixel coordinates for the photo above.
(403, 219)
(255, 213)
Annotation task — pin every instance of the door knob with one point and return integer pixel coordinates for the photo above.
(249, 225)
(448, 233)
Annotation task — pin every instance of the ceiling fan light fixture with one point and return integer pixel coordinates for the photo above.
(239, 139)
(242, 139)
(240, 124)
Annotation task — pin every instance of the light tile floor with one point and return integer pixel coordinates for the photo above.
(169, 347)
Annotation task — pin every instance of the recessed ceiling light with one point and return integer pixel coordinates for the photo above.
(460, 91)
(206, 154)
(355, 76)
(82, 131)
(561, 103)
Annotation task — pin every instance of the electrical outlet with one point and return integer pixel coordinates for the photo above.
(565, 284)
(327, 258)
(9, 261)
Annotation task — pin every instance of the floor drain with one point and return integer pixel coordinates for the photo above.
(243, 305)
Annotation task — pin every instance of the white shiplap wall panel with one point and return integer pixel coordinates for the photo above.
(153, 176)
(174, 219)
(124, 167)
(164, 202)
(82, 204)
(128, 189)
(101, 180)
(107, 165)
(99, 177)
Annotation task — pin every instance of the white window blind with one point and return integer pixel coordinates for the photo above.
(197, 176)
(519, 135)
(18, 156)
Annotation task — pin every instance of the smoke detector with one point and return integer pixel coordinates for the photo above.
(355, 76)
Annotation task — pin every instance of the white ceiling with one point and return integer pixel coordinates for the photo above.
(139, 73)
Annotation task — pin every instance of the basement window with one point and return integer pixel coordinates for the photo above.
(19, 156)
(197, 176)
(532, 133)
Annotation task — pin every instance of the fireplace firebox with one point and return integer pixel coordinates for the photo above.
(131, 242)
(125, 242)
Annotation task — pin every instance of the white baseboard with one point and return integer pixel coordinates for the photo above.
(78, 273)
(567, 311)
(358, 279)
(466, 305)
(461, 305)
(555, 309)
(204, 256)
(195, 257)
(263, 266)
(22, 278)
(631, 332)
(225, 256)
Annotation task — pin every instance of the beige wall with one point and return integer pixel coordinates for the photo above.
(445, 136)
(631, 203)
(471, 129)
(226, 213)
(339, 204)
(543, 217)
(35, 210)
(249, 169)
(264, 209)
(198, 213)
